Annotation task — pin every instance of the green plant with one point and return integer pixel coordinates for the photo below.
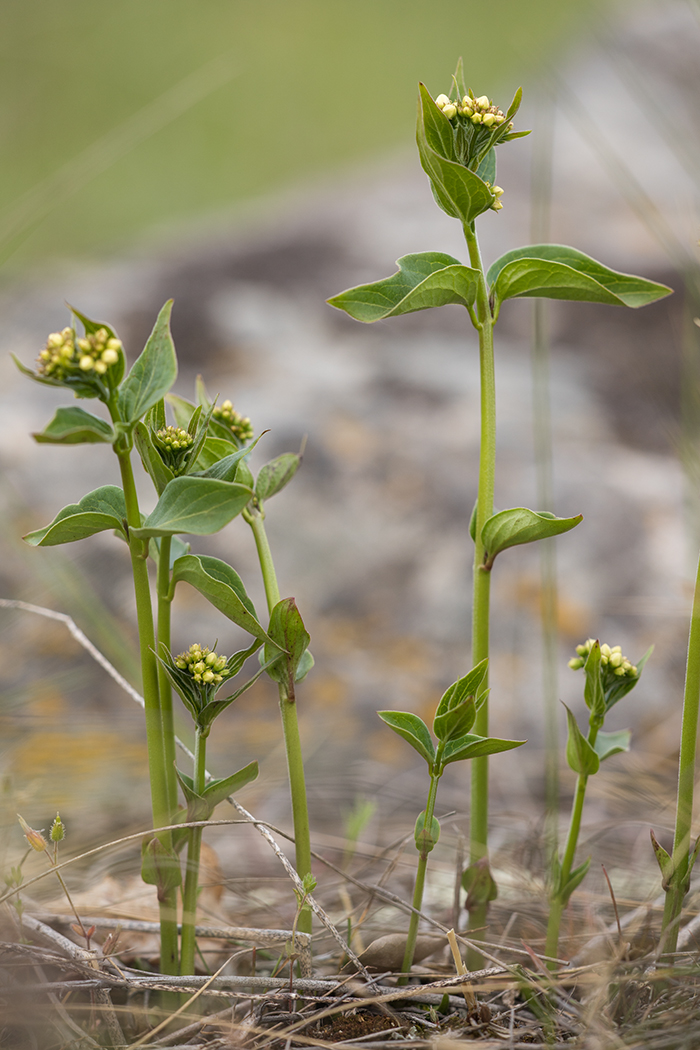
(454, 718)
(609, 677)
(198, 469)
(457, 136)
(676, 868)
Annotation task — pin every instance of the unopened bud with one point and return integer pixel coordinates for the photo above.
(58, 831)
(450, 110)
(87, 363)
(441, 101)
(34, 838)
(483, 101)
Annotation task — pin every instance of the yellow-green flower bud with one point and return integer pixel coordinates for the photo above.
(575, 663)
(498, 191)
(476, 118)
(208, 676)
(110, 356)
(483, 101)
(488, 119)
(101, 367)
(87, 363)
(441, 101)
(58, 831)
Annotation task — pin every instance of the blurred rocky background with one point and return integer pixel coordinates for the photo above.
(249, 170)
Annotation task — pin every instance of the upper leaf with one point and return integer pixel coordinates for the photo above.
(456, 712)
(199, 506)
(152, 374)
(472, 746)
(457, 190)
(424, 280)
(276, 474)
(413, 729)
(555, 271)
(607, 744)
(509, 528)
(75, 426)
(579, 754)
(99, 511)
(222, 586)
(287, 632)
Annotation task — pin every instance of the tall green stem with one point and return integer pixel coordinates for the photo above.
(541, 202)
(558, 901)
(482, 579)
(154, 726)
(420, 883)
(194, 847)
(165, 690)
(678, 883)
(290, 722)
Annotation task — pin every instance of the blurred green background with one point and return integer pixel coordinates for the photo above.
(121, 119)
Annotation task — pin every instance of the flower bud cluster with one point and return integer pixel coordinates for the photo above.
(98, 351)
(477, 110)
(204, 665)
(611, 659)
(240, 426)
(64, 355)
(174, 439)
(58, 357)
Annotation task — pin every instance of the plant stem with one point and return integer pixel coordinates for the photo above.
(419, 884)
(558, 902)
(290, 723)
(482, 579)
(165, 690)
(678, 883)
(154, 726)
(194, 847)
(541, 204)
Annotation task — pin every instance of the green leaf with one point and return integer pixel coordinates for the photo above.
(593, 693)
(214, 708)
(423, 280)
(579, 753)
(624, 685)
(226, 468)
(304, 666)
(222, 586)
(472, 746)
(158, 471)
(213, 451)
(201, 807)
(413, 730)
(456, 712)
(199, 506)
(288, 633)
(99, 511)
(276, 474)
(152, 374)
(479, 884)
(457, 190)
(607, 744)
(575, 879)
(75, 426)
(219, 790)
(160, 867)
(555, 271)
(664, 860)
(426, 840)
(509, 528)
(74, 383)
(487, 168)
(459, 79)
